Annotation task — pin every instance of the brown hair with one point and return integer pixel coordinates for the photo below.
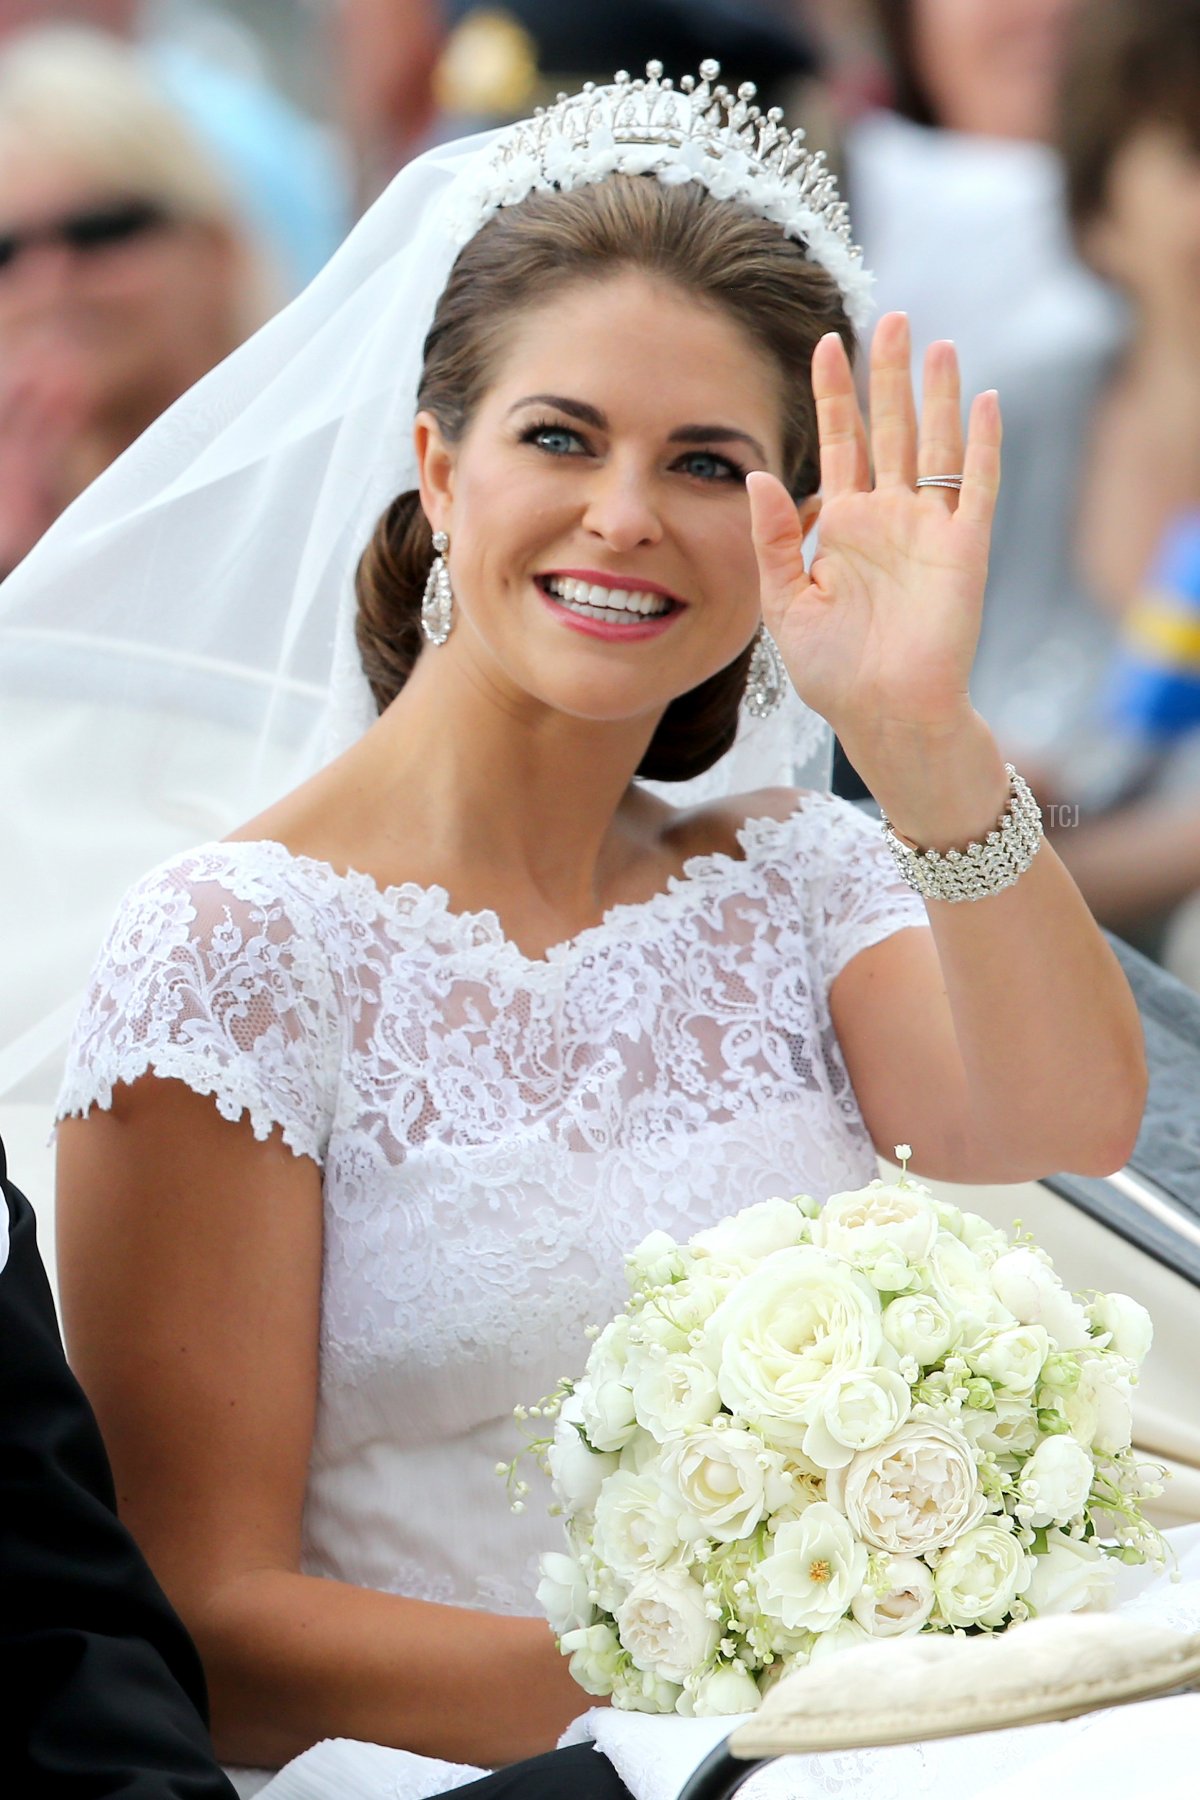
(1129, 63)
(713, 249)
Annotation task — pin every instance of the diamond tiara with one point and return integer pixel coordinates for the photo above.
(696, 131)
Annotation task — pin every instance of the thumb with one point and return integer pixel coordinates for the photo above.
(778, 537)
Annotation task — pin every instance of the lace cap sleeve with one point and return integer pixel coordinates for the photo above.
(211, 976)
(856, 896)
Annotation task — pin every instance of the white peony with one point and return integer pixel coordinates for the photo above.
(673, 1394)
(812, 1572)
(729, 1688)
(856, 1409)
(902, 1603)
(633, 1530)
(1027, 1285)
(1130, 1328)
(919, 1326)
(913, 1493)
(799, 1317)
(725, 1481)
(980, 1575)
(1012, 1356)
(882, 1229)
(756, 1232)
(595, 1653)
(562, 1593)
(1069, 1576)
(664, 1625)
(576, 1471)
(1055, 1482)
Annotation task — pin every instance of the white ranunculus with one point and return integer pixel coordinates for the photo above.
(962, 1282)
(902, 1606)
(730, 1688)
(812, 1571)
(633, 1530)
(847, 1634)
(1055, 1482)
(856, 1409)
(575, 1470)
(664, 1624)
(595, 1654)
(1069, 1576)
(605, 1395)
(883, 1229)
(725, 1481)
(912, 1493)
(1011, 1357)
(980, 1575)
(562, 1593)
(919, 1326)
(1025, 1282)
(799, 1317)
(674, 1394)
(1129, 1325)
(755, 1232)
(1010, 1430)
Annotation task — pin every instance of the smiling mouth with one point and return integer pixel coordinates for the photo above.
(611, 606)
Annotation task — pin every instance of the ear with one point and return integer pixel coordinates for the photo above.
(435, 471)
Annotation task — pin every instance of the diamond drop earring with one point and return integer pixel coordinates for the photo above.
(437, 607)
(766, 678)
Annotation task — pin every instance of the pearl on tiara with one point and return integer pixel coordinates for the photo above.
(696, 131)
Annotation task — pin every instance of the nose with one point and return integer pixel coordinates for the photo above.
(621, 508)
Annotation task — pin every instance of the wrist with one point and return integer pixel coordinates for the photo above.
(938, 790)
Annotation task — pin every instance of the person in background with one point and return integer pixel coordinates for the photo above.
(126, 268)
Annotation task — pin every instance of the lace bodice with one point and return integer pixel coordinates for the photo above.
(494, 1132)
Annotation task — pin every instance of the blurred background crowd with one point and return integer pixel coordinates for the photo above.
(1024, 177)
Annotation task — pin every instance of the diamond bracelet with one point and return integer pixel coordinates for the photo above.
(981, 869)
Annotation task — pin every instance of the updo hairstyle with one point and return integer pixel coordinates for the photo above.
(715, 250)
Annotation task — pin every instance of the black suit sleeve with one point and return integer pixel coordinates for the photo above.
(101, 1691)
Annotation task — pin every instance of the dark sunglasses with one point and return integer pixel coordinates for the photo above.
(101, 228)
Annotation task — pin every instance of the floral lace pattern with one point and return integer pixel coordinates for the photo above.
(494, 1131)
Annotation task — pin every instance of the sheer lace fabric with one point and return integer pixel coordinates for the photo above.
(494, 1132)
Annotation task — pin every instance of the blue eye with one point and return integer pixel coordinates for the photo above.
(556, 440)
(708, 466)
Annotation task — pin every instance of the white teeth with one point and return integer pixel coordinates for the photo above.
(582, 596)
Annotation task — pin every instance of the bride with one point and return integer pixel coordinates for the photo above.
(368, 1098)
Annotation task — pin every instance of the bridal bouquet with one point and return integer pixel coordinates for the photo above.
(817, 1425)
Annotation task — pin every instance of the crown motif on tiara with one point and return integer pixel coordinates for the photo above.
(696, 131)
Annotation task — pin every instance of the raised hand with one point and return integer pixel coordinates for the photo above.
(880, 634)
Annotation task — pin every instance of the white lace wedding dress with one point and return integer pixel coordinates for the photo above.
(494, 1133)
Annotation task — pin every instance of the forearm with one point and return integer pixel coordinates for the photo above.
(1135, 863)
(1047, 1031)
(293, 1658)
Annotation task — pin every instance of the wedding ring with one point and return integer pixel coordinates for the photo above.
(940, 481)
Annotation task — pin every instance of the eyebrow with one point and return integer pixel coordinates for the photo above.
(683, 434)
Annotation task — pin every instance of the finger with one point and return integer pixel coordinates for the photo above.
(940, 450)
(981, 464)
(893, 415)
(840, 428)
(778, 537)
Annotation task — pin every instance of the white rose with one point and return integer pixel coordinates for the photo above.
(1069, 1576)
(981, 1236)
(755, 1232)
(882, 1229)
(575, 1470)
(725, 1481)
(856, 1409)
(1011, 1357)
(664, 1624)
(605, 1395)
(674, 1394)
(900, 1606)
(1055, 1482)
(1129, 1325)
(1113, 1428)
(595, 1654)
(980, 1575)
(1025, 1282)
(633, 1530)
(657, 1260)
(961, 1281)
(690, 1304)
(812, 1571)
(727, 1689)
(847, 1634)
(913, 1493)
(799, 1317)
(562, 1593)
(1012, 1429)
(919, 1326)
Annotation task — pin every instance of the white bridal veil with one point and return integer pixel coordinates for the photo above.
(178, 651)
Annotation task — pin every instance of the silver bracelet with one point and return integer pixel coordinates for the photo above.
(981, 869)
